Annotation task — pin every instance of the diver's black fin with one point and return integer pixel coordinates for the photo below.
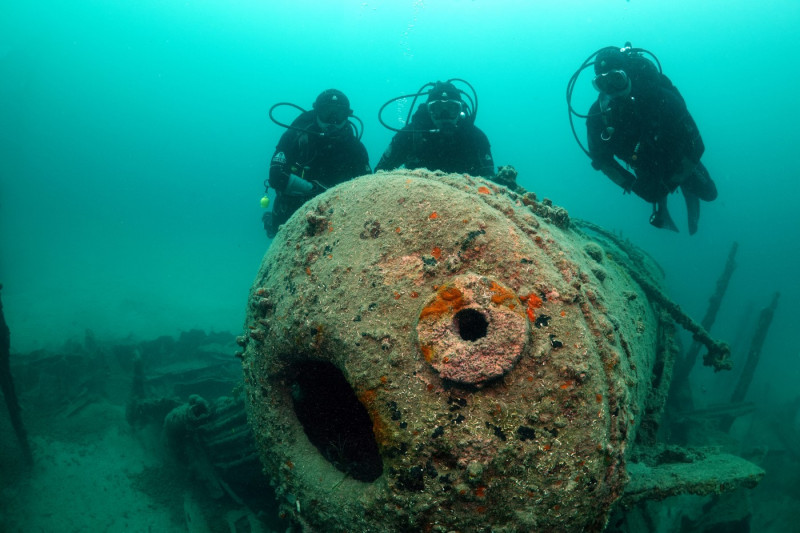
(660, 217)
(692, 209)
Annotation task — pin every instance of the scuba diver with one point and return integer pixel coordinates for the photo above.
(441, 135)
(641, 119)
(321, 148)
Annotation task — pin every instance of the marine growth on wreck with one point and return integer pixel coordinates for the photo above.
(429, 352)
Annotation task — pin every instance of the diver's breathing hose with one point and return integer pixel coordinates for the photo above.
(356, 131)
(384, 106)
(279, 123)
(471, 103)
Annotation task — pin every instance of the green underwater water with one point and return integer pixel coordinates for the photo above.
(134, 140)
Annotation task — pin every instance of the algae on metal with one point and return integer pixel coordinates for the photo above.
(502, 360)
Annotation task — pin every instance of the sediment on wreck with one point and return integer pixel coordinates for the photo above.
(484, 360)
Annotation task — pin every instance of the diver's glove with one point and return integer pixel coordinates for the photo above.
(297, 186)
(628, 181)
(269, 224)
(627, 187)
(620, 176)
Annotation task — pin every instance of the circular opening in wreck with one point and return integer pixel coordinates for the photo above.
(333, 419)
(470, 324)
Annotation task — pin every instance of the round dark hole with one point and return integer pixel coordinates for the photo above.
(470, 324)
(335, 421)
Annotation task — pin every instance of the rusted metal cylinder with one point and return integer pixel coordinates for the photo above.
(432, 352)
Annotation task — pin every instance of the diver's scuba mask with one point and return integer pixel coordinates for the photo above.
(614, 83)
(446, 113)
(331, 127)
(332, 119)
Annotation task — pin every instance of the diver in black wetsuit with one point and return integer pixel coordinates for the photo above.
(321, 148)
(641, 119)
(441, 135)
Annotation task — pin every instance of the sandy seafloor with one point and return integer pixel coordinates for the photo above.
(84, 479)
(95, 471)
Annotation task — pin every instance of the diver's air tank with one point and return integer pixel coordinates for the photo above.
(429, 352)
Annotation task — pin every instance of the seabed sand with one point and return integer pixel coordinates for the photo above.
(84, 477)
(95, 471)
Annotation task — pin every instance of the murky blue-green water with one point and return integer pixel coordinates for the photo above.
(134, 139)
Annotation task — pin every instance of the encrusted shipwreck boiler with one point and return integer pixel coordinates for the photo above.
(432, 352)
